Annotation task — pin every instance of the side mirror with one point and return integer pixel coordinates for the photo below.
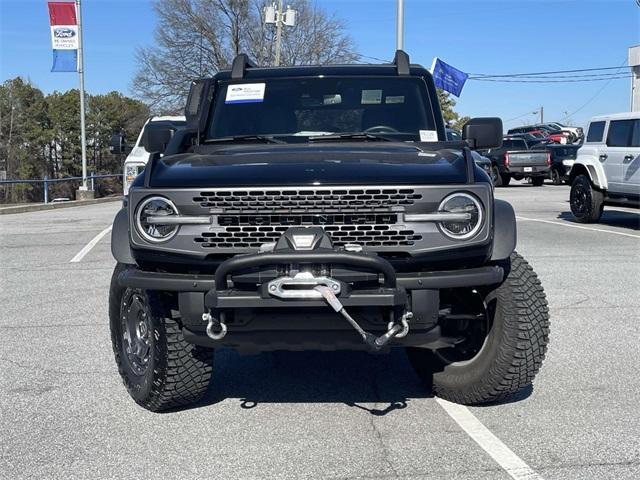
(117, 144)
(483, 133)
(155, 140)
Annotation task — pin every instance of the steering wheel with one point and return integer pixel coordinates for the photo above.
(381, 129)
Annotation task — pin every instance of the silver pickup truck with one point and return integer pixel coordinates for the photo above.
(517, 159)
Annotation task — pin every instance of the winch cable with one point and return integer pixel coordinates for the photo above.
(376, 343)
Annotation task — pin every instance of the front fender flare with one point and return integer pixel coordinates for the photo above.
(505, 232)
(120, 248)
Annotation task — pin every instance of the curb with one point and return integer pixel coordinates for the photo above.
(52, 206)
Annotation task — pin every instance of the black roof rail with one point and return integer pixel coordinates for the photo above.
(401, 61)
(240, 64)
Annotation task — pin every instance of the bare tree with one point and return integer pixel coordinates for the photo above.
(197, 38)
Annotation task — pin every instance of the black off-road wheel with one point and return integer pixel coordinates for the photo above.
(537, 181)
(555, 176)
(505, 346)
(158, 367)
(585, 201)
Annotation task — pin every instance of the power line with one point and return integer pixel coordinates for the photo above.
(373, 58)
(595, 95)
(588, 75)
(520, 116)
(475, 76)
(551, 81)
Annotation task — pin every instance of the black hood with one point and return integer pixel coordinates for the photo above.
(353, 163)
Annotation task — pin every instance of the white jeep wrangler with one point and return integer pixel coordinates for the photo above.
(607, 170)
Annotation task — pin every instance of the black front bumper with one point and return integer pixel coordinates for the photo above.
(257, 321)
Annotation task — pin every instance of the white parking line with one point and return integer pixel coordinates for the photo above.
(87, 248)
(562, 224)
(503, 455)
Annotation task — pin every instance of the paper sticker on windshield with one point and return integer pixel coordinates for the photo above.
(394, 99)
(245, 93)
(371, 97)
(428, 136)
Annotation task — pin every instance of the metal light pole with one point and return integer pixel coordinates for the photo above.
(83, 138)
(400, 26)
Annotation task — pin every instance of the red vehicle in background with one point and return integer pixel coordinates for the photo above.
(556, 136)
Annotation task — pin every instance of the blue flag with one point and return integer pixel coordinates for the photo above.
(448, 78)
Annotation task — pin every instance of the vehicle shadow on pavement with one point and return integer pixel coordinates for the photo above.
(612, 218)
(377, 384)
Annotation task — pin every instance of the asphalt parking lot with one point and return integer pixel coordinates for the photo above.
(65, 414)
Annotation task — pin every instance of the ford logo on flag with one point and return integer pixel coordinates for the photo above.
(64, 32)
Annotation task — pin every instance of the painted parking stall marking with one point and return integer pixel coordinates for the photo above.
(503, 455)
(87, 248)
(601, 230)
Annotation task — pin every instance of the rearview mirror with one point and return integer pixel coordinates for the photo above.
(155, 140)
(483, 133)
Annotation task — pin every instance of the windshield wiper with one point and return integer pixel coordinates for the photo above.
(242, 138)
(351, 136)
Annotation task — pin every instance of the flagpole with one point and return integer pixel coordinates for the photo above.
(83, 138)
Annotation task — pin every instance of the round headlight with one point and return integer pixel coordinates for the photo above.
(461, 203)
(149, 219)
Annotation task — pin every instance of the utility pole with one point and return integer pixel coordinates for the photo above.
(541, 114)
(634, 63)
(400, 25)
(281, 18)
(278, 32)
(84, 192)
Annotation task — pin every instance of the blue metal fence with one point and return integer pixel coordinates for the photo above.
(47, 181)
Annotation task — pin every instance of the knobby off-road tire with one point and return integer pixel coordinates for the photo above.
(176, 373)
(512, 352)
(585, 201)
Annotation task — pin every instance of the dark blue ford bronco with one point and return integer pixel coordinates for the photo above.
(321, 207)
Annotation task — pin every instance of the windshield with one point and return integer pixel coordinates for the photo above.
(302, 108)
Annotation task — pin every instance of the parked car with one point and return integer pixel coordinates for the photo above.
(607, 170)
(483, 162)
(453, 135)
(138, 156)
(562, 159)
(576, 131)
(553, 129)
(533, 138)
(517, 159)
(550, 134)
(278, 220)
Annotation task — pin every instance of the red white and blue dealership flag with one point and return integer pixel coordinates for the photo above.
(64, 36)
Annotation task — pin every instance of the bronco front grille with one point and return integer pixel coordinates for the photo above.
(306, 200)
(367, 216)
(366, 235)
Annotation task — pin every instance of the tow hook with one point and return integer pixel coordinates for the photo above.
(212, 323)
(375, 343)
